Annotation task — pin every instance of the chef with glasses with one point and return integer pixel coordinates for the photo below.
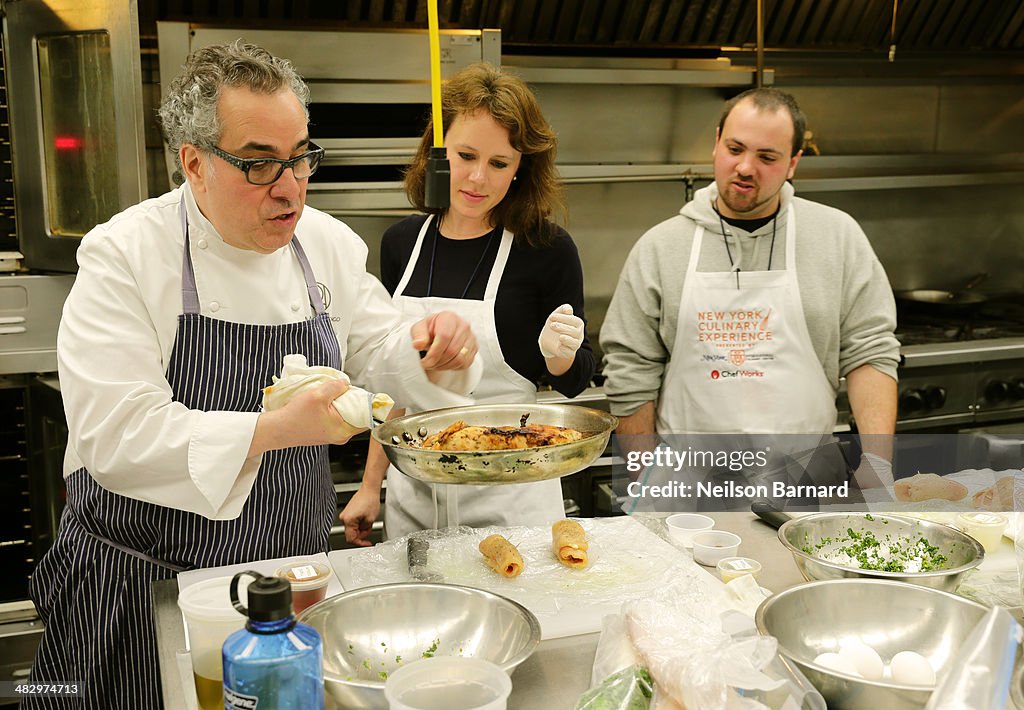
(183, 310)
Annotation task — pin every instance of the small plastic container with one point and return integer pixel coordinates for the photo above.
(309, 580)
(711, 546)
(683, 526)
(210, 618)
(729, 568)
(448, 682)
(986, 528)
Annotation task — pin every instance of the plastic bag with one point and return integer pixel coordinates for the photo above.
(981, 669)
(629, 689)
(700, 661)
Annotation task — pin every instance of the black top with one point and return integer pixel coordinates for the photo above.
(535, 282)
(750, 225)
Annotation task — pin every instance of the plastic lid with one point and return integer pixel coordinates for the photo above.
(462, 682)
(208, 599)
(983, 518)
(304, 574)
(739, 564)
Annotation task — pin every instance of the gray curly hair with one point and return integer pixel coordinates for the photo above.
(189, 113)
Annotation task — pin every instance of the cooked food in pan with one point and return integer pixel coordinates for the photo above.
(569, 543)
(928, 486)
(501, 556)
(462, 437)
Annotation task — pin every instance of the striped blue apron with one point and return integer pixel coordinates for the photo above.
(92, 588)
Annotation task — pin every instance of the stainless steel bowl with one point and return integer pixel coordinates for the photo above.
(814, 618)
(369, 632)
(398, 436)
(963, 552)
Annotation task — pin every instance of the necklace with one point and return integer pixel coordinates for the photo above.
(728, 251)
(476, 270)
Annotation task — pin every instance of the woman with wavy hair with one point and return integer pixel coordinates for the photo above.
(494, 257)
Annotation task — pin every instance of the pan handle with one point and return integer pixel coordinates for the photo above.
(769, 513)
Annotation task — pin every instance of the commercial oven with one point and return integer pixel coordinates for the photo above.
(71, 156)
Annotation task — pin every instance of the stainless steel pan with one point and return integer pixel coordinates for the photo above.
(966, 296)
(938, 297)
(399, 436)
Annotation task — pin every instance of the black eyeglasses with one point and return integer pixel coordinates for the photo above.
(266, 171)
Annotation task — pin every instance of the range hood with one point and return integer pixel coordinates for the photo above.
(665, 26)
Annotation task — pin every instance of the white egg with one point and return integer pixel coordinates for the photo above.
(910, 668)
(835, 662)
(864, 658)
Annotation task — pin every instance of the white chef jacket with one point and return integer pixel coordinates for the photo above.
(119, 325)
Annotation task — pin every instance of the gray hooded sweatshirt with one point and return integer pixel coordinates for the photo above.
(847, 300)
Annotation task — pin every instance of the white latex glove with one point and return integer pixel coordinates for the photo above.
(873, 472)
(562, 333)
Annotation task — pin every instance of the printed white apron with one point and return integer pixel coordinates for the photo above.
(743, 361)
(412, 505)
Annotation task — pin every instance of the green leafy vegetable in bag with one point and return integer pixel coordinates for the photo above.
(629, 689)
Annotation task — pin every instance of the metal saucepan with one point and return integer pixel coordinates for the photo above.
(400, 436)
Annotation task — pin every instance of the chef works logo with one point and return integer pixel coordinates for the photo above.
(745, 374)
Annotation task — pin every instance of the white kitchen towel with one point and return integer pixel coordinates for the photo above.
(359, 408)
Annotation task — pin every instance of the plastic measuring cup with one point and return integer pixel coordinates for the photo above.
(210, 619)
(446, 682)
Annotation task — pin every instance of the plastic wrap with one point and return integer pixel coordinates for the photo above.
(982, 667)
(976, 480)
(699, 659)
(626, 562)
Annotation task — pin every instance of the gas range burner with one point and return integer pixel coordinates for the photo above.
(935, 326)
(928, 334)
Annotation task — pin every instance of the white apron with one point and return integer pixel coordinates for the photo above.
(412, 505)
(743, 361)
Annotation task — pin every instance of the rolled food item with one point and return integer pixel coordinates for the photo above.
(501, 556)
(569, 543)
(361, 409)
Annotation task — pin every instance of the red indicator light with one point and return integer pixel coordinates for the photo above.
(67, 143)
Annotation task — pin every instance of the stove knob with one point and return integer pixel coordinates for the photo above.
(934, 397)
(1017, 388)
(912, 401)
(997, 391)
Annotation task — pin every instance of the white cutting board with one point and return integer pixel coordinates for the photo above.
(627, 562)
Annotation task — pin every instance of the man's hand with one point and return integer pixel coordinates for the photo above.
(359, 515)
(447, 340)
(309, 419)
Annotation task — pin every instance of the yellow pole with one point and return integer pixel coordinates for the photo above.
(435, 73)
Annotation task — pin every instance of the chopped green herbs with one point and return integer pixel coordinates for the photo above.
(864, 550)
(429, 653)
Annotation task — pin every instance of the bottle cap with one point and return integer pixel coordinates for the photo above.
(270, 598)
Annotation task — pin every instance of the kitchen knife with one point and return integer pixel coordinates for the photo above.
(767, 511)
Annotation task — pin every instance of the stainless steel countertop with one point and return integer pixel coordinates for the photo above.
(558, 672)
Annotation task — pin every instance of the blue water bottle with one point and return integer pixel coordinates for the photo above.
(274, 663)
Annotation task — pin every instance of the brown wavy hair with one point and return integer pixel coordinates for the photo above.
(536, 194)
